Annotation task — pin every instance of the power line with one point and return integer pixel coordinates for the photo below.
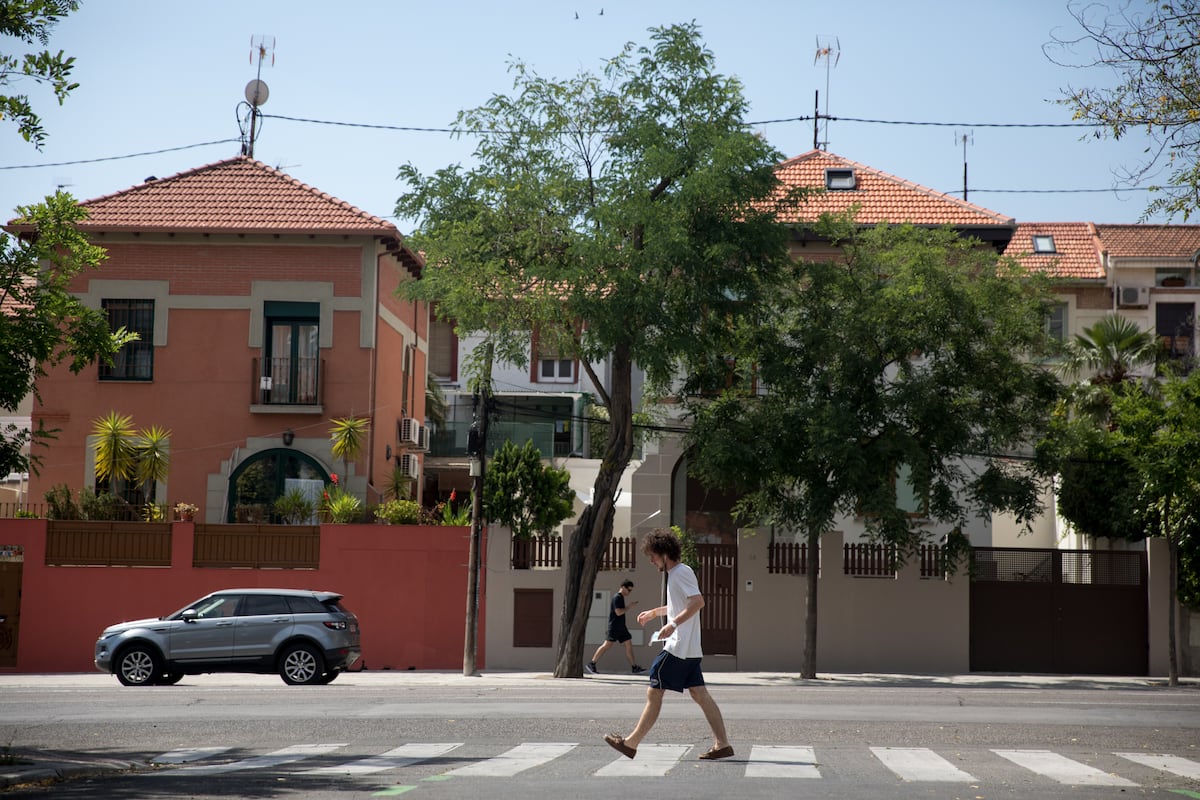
(118, 158)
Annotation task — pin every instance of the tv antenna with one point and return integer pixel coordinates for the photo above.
(829, 51)
(256, 94)
(965, 138)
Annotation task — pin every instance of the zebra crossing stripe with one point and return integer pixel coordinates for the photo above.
(777, 761)
(284, 756)
(402, 756)
(1183, 767)
(520, 758)
(653, 761)
(1061, 768)
(183, 755)
(920, 764)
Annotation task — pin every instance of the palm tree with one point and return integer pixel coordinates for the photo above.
(116, 446)
(347, 435)
(1113, 347)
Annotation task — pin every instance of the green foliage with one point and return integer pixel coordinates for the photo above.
(32, 21)
(338, 505)
(154, 512)
(105, 506)
(399, 512)
(348, 435)
(1112, 347)
(61, 503)
(906, 357)
(524, 495)
(398, 483)
(687, 547)
(1153, 54)
(294, 508)
(44, 324)
(115, 447)
(457, 516)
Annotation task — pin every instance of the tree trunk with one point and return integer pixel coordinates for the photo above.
(586, 547)
(809, 668)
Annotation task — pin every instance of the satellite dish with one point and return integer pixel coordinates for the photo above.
(257, 92)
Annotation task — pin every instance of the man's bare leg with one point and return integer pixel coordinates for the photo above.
(711, 713)
(654, 699)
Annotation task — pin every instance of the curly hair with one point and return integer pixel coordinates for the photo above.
(663, 543)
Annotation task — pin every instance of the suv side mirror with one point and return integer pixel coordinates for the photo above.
(191, 615)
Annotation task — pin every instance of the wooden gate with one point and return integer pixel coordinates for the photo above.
(718, 583)
(11, 565)
(1076, 612)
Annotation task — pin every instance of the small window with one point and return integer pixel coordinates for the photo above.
(840, 179)
(1044, 244)
(135, 360)
(1056, 322)
(261, 604)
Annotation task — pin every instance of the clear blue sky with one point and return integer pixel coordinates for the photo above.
(155, 75)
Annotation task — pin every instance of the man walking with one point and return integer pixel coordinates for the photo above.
(618, 630)
(677, 667)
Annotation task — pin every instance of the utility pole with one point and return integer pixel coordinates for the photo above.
(477, 455)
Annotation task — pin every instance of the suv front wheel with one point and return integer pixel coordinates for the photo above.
(138, 665)
(301, 664)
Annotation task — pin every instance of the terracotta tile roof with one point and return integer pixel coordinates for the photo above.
(1148, 241)
(1076, 249)
(240, 195)
(882, 197)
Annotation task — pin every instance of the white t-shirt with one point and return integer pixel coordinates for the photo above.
(684, 642)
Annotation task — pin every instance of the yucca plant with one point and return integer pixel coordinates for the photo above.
(152, 455)
(348, 435)
(116, 446)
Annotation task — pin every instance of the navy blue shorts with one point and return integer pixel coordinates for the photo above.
(674, 673)
(620, 637)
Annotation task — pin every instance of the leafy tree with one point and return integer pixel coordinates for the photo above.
(1152, 51)
(603, 212)
(43, 324)
(1157, 431)
(31, 21)
(906, 356)
(526, 496)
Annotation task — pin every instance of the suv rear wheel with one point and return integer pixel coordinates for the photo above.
(138, 665)
(301, 664)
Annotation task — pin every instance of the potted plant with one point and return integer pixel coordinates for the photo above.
(185, 512)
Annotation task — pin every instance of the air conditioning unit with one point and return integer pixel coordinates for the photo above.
(1133, 296)
(410, 466)
(423, 444)
(410, 431)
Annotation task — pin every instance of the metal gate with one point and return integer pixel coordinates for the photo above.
(11, 565)
(718, 581)
(1078, 612)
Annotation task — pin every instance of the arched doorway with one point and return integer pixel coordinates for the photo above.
(265, 477)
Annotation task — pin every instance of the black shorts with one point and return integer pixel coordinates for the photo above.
(674, 673)
(620, 637)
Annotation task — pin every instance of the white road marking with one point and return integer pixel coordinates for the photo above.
(920, 764)
(652, 761)
(284, 756)
(183, 755)
(1061, 768)
(520, 758)
(1183, 767)
(778, 761)
(402, 756)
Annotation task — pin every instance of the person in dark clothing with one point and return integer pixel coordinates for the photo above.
(618, 630)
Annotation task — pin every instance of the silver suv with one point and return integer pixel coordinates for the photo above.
(305, 636)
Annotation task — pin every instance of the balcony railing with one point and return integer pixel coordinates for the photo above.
(287, 381)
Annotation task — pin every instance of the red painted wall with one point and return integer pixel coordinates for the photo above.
(407, 584)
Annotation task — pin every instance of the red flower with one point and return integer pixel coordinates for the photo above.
(333, 478)
(453, 494)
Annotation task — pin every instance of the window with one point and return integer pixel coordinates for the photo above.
(265, 477)
(840, 179)
(1056, 323)
(135, 360)
(1044, 244)
(260, 604)
(292, 357)
(554, 364)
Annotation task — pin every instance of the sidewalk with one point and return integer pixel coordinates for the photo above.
(29, 767)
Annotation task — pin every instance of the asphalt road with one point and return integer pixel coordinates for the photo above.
(531, 737)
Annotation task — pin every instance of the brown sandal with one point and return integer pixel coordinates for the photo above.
(714, 752)
(618, 743)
